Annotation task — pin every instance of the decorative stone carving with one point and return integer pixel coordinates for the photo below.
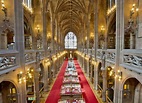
(111, 56)
(6, 62)
(29, 57)
(133, 60)
(99, 54)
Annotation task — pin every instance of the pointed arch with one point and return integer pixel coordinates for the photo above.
(70, 41)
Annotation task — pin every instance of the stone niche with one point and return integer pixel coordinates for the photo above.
(3, 41)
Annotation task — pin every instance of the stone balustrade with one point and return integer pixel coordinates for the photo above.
(30, 56)
(7, 61)
(133, 57)
(110, 55)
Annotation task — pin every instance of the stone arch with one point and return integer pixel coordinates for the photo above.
(128, 89)
(128, 77)
(8, 91)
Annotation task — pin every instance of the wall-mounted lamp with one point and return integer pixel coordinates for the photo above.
(118, 75)
(133, 10)
(21, 78)
(102, 29)
(86, 38)
(4, 9)
(55, 38)
(37, 28)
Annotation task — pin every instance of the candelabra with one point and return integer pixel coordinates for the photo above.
(4, 9)
(21, 78)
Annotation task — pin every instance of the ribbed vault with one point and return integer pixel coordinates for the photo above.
(71, 15)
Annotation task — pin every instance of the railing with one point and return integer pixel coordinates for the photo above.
(8, 59)
(90, 52)
(132, 59)
(30, 56)
(110, 55)
(108, 99)
(42, 54)
(100, 90)
(99, 53)
(40, 92)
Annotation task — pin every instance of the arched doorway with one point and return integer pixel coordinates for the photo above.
(132, 91)
(8, 92)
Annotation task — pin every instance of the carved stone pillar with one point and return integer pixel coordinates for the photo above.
(53, 36)
(119, 43)
(96, 79)
(36, 77)
(19, 37)
(104, 85)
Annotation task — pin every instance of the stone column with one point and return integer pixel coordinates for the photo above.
(119, 42)
(46, 78)
(44, 22)
(53, 35)
(95, 78)
(91, 76)
(104, 85)
(95, 43)
(36, 77)
(19, 37)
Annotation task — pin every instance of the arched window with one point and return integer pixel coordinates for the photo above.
(70, 41)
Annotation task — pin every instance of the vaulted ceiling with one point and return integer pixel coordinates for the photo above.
(71, 15)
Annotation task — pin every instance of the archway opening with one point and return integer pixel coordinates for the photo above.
(8, 92)
(132, 91)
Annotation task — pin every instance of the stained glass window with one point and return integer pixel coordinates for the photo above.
(70, 41)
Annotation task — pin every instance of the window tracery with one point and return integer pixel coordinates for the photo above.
(70, 41)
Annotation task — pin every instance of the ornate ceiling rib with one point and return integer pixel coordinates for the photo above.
(70, 14)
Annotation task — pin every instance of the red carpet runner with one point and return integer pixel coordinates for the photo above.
(54, 94)
(88, 94)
